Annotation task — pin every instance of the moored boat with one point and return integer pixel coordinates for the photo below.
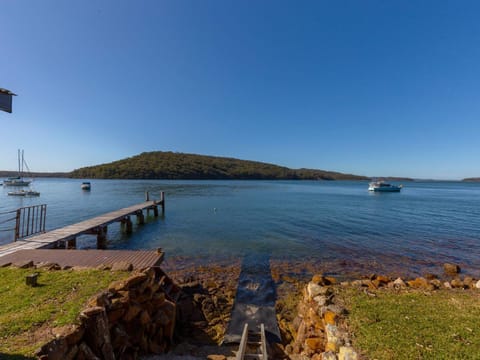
(382, 186)
(18, 180)
(86, 185)
(24, 193)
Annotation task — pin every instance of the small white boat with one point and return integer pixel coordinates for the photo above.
(86, 185)
(382, 186)
(24, 193)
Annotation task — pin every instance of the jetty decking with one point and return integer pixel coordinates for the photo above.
(139, 259)
(65, 237)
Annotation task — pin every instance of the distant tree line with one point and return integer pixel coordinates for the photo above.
(170, 165)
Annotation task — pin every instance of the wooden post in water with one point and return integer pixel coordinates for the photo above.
(128, 221)
(140, 218)
(72, 243)
(162, 197)
(102, 237)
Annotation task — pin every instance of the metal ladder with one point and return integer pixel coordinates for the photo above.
(253, 345)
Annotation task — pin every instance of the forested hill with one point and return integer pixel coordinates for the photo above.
(170, 165)
(475, 179)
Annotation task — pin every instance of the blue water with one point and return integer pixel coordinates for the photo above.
(338, 223)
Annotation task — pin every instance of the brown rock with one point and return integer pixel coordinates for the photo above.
(97, 334)
(145, 318)
(75, 335)
(317, 279)
(158, 299)
(451, 269)
(72, 353)
(135, 279)
(216, 357)
(24, 264)
(330, 280)
(119, 303)
(115, 315)
(315, 343)
(437, 283)
(468, 281)
(55, 349)
(457, 283)
(116, 286)
(92, 311)
(430, 276)
(122, 266)
(131, 312)
(157, 348)
(101, 299)
(382, 279)
(330, 317)
(84, 352)
(331, 347)
(420, 283)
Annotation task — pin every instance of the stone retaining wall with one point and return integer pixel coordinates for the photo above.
(131, 317)
(319, 332)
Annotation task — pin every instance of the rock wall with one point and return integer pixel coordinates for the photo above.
(319, 332)
(133, 316)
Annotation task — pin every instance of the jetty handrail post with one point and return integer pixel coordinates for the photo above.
(147, 196)
(17, 225)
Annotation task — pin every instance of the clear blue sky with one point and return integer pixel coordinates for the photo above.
(365, 87)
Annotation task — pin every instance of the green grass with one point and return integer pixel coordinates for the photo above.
(415, 325)
(55, 302)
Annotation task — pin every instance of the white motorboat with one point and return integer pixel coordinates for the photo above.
(382, 186)
(86, 185)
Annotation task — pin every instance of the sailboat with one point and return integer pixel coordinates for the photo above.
(18, 180)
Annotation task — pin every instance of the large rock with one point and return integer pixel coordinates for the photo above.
(314, 290)
(451, 269)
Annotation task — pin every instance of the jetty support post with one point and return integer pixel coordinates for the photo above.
(140, 217)
(128, 223)
(72, 243)
(162, 199)
(102, 237)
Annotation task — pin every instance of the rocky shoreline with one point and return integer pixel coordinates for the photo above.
(311, 317)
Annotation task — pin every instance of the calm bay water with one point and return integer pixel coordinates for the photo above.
(339, 224)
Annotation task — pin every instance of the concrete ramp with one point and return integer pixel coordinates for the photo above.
(255, 301)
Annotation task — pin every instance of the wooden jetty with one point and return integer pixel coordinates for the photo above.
(66, 237)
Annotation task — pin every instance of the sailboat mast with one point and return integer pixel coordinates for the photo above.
(18, 156)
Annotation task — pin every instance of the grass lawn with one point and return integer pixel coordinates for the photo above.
(28, 315)
(442, 324)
